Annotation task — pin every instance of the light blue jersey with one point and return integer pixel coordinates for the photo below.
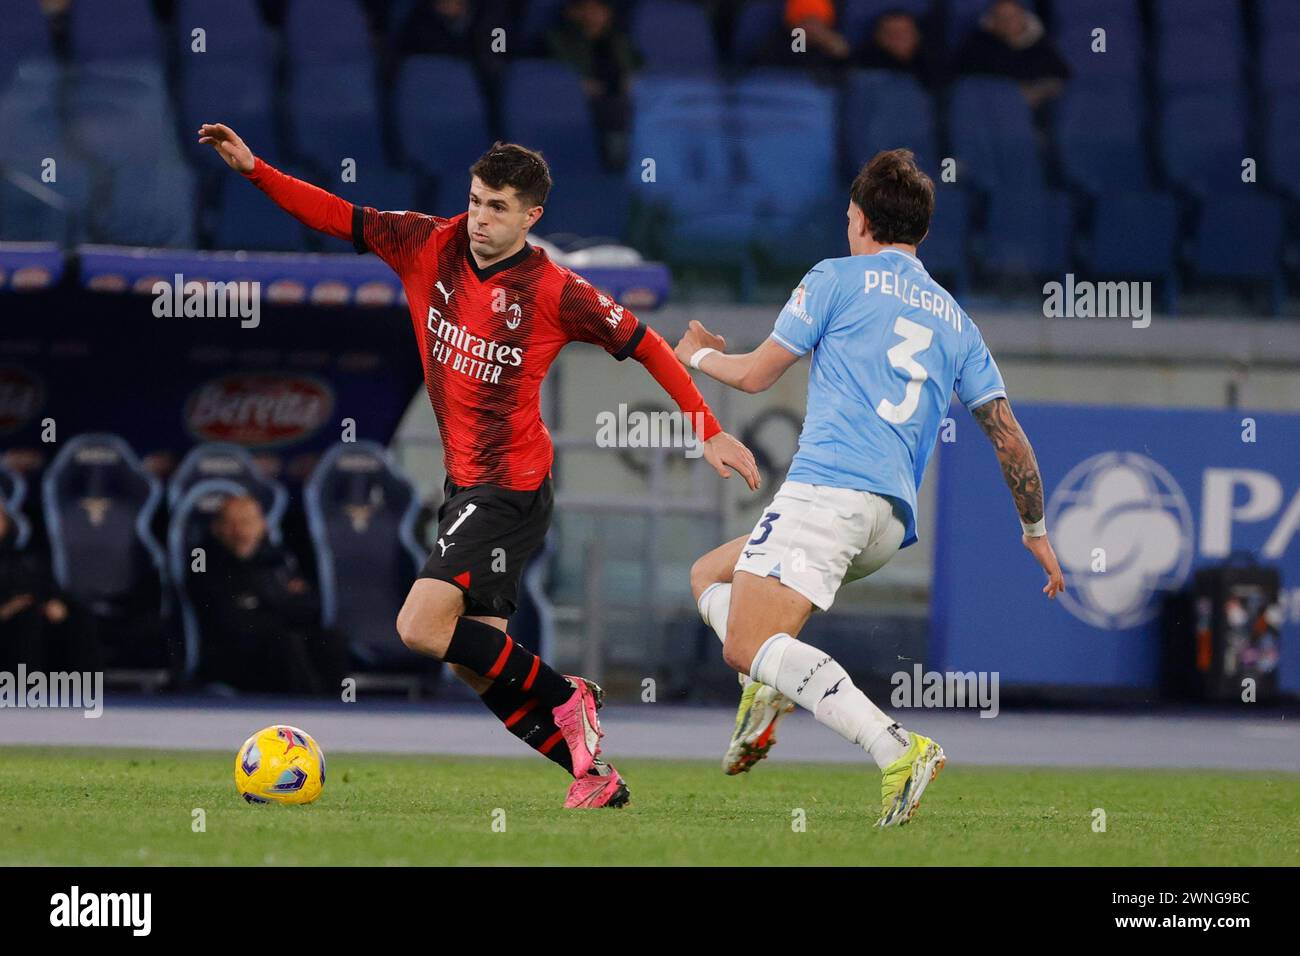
(889, 346)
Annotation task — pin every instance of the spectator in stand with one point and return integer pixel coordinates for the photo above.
(820, 47)
(36, 626)
(1011, 42)
(258, 614)
(895, 45)
(589, 40)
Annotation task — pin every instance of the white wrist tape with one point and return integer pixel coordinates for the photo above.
(699, 356)
(1035, 530)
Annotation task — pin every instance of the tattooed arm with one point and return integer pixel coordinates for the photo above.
(1020, 469)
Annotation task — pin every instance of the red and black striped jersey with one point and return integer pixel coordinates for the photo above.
(488, 336)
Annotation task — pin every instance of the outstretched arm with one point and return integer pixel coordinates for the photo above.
(1020, 469)
(310, 205)
(751, 372)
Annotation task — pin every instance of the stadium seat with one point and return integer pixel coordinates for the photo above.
(1134, 235)
(596, 205)
(673, 35)
(1217, 18)
(1191, 62)
(1100, 135)
(885, 110)
(120, 117)
(188, 528)
(757, 23)
(122, 30)
(361, 511)
(326, 33)
(544, 106)
(1279, 62)
(992, 136)
(13, 492)
(1281, 163)
(1239, 237)
(449, 139)
(944, 250)
(98, 503)
(538, 17)
(235, 92)
(1277, 16)
(678, 123)
(785, 134)
(1028, 234)
(335, 115)
(1203, 141)
(247, 219)
(233, 463)
(1125, 51)
(234, 30)
(26, 35)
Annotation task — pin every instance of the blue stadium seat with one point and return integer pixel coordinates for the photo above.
(450, 138)
(335, 115)
(1281, 163)
(1100, 137)
(992, 135)
(885, 110)
(233, 463)
(326, 32)
(595, 205)
(1125, 50)
(1109, 14)
(538, 17)
(1277, 16)
(13, 492)
(757, 23)
(1218, 18)
(235, 92)
(857, 17)
(1279, 62)
(679, 124)
(98, 503)
(234, 30)
(944, 250)
(785, 133)
(1203, 141)
(246, 218)
(1028, 234)
(120, 116)
(545, 107)
(122, 30)
(1190, 62)
(673, 35)
(361, 511)
(1239, 237)
(1134, 235)
(26, 35)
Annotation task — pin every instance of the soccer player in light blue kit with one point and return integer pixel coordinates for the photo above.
(889, 347)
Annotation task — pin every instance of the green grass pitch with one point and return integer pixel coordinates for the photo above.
(66, 806)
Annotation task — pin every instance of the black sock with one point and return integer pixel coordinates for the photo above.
(492, 654)
(527, 719)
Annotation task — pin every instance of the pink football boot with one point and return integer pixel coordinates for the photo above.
(602, 787)
(576, 719)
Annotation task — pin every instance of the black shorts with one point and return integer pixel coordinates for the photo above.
(486, 535)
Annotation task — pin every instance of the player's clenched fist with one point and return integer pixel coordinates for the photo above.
(698, 337)
(725, 452)
(228, 146)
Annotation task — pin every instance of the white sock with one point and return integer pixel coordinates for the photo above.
(714, 604)
(813, 679)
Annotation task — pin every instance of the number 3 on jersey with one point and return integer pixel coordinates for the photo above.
(916, 339)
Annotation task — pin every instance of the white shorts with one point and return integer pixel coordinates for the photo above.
(813, 538)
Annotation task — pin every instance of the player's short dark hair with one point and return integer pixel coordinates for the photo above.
(523, 169)
(896, 197)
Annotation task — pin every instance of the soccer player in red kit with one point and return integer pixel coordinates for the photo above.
(491, 312)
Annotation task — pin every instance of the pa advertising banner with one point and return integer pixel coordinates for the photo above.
(1148, 494)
